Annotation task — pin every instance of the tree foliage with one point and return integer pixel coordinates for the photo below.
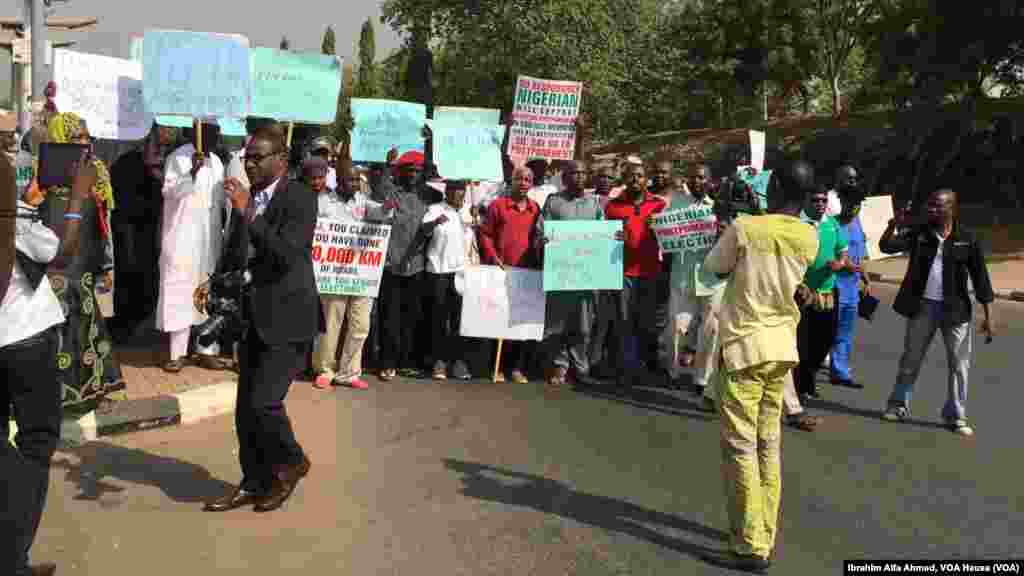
(343, 121)
(366, 86)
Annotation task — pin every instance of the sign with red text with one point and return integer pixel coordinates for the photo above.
(691, 229)
(348, 257)
(544, 119)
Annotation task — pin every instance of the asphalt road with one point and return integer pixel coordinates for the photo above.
(419, 477)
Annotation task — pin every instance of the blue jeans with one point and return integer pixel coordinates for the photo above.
(845, 325)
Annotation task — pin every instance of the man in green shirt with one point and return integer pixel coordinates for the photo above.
(817, 318)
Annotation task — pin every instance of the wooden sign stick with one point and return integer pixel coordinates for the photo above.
(291, 128)
(497, 361)
(199, 136)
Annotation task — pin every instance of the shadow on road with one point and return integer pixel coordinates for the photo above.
(552, 497)
(838, 408)
(648, 399)
(180, 481)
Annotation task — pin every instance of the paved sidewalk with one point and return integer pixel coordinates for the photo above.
(1006, 270)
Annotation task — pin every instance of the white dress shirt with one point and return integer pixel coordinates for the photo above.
(26, 312)
(933, 289)
(835, 205)
(446, 249)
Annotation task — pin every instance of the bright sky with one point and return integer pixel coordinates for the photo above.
(302, 21)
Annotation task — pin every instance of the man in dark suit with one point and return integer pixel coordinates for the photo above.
(272, 239)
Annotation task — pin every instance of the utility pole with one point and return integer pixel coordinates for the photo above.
(37, 15)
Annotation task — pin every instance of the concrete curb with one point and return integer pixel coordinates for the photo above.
(148, 413)
(1001, 294)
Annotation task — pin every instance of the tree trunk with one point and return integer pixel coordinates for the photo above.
(837, 97)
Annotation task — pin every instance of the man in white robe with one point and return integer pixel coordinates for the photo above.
(192, 191)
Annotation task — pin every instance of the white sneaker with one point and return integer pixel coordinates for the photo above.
(896, 414)
(961, 428)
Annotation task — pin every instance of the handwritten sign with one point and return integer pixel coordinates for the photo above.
(228, 126)
(470, 116)
(467, 152)
(196, 74)
(582, 255)
(348, 257)
(384, 124)
(295, 86)
(545, 114)
(105, 92)
(502, 304)
(690, 229)
(875, 213)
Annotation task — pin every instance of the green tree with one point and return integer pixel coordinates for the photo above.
(343, 120)
(366, 86)
(328, 44)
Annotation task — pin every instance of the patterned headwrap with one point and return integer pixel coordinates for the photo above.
(66, 127)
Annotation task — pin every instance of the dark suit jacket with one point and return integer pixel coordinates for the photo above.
(283, 303)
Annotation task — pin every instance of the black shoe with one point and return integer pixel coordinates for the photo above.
(48, 569)
(847, 383)
(286, 478)
(742, 563)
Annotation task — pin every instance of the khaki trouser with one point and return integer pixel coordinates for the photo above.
(751, 420)
(337, 309)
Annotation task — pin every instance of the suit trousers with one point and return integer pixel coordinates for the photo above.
(445, 320)
(815, 335)
(29, 374)
(266, 440)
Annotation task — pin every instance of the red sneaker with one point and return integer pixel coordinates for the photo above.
(323, 382)
(359, 384)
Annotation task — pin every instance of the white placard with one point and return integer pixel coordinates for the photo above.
(105, 92)
(502, 304)
(875, 214)
(757, 147)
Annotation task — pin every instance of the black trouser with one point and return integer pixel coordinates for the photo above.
(660, 343)
(401, 303)
(602, 335)
(446, 316)
(29, 371)
(265, 436)
(637, 342)
(815, 335)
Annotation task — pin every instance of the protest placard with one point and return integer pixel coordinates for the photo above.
(582, 255)
(470, 116)
(380, 125)
(689, 229)
(295, 86)
(467, 152)
(757, 149)
(105, 92)
(502, 304)
(544, 118)
(196, 74)
(228, 126)
(348, 257)
(875, 213)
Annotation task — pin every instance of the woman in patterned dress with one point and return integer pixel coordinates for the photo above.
(86, 365)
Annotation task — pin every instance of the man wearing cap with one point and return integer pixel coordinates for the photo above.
(323, 148)
(401, 297)
(569, 315)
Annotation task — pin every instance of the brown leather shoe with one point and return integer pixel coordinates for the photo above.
(174, 366)
(286, 478)
(236, 499)
(42, 570)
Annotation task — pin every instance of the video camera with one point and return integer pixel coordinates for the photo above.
(733, 198)
(224, 308)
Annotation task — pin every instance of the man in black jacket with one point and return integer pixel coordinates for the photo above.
(271, 239)
(934, 296)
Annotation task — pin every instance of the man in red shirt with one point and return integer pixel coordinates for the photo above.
(636, 330)
(508, 237)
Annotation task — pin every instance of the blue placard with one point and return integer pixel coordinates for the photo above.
(472, 116)
(196, 74)
(381, 125)
(467, 152)
(582, 255)
(295, 86)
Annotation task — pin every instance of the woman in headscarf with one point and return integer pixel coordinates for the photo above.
(86, 365)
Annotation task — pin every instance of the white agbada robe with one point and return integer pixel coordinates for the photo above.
(189, 243)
